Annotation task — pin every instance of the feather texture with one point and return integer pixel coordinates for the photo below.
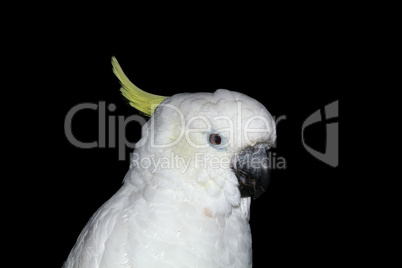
(138, 98)
(187, 214)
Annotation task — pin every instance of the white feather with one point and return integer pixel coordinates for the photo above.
(182, 216)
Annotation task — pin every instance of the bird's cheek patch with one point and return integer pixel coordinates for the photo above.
(207, 212)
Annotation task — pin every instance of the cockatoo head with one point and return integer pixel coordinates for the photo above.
(214, 145)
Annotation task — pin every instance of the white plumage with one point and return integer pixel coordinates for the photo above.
(189, 212)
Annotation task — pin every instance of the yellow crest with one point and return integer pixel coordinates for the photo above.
(139, 99)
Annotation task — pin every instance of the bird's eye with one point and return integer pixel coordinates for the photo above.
(215, 139)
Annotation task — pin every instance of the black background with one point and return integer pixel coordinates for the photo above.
(293, 71)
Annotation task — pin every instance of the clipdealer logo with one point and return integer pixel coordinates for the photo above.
(331, 154)
(112, 127)
(327, 115)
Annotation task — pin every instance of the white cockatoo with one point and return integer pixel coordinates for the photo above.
(185, 201)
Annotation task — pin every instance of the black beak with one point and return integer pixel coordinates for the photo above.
(251, 168)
